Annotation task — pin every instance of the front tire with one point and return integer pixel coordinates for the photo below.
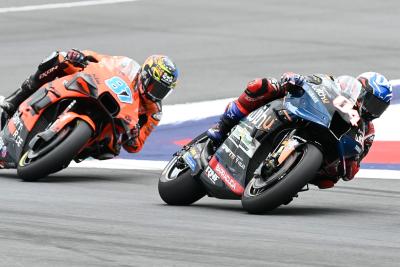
(59, 157)
(285, 188)
(179, 187)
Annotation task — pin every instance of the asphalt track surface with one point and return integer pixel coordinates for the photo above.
(115, 218)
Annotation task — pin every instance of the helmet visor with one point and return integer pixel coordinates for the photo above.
(156, 89)
(374, 106)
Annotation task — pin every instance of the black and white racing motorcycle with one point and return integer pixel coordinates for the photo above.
(272, 154)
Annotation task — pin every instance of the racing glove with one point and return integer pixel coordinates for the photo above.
(352, 167)
(77, 58)
(132, 136)
(290, 78)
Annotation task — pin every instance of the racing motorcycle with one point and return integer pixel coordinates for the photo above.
(273, 153)
(74, 117)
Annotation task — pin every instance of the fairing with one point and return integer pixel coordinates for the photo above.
(90, 85)
(225, 176)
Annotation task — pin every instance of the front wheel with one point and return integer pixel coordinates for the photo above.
(56, 154)
(178, 187)
(263, 195)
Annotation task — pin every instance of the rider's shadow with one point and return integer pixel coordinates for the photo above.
(296, 210)
(290, 210)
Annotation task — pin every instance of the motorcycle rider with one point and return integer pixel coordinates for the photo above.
(375, 96)
(154, 80)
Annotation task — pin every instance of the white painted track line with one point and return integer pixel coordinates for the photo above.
(127, 164)
(61, 5)
(121, 164)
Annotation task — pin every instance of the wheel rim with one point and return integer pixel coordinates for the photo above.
(171, 172)
(32, 154)
(258, 185)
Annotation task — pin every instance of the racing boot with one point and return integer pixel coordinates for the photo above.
(324, 183)
(47, 71)
(327, 177)
(10, 104)
(228, 119)
(3, 114)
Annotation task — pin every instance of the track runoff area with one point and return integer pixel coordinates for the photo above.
(182, 122)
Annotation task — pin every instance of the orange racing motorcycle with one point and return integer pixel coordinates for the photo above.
(86, 114)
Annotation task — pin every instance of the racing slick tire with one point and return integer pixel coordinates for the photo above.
(259, 200)
(180, 189)
(63, 150)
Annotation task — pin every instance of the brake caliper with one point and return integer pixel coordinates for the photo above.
(280, 154)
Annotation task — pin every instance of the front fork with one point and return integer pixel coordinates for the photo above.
(287, 146)
(196, 155)
(66, 117)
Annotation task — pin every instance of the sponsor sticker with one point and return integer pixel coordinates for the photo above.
(47, 72)
(313, 96)
(226, 177)
(267, 124)
(190, 161)
(241, 138)
(18, 127)
(258, 116)
(235, 158)
(210, 173)
(322, 94)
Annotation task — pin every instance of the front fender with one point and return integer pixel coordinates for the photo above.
(68, 117)
(58, 125)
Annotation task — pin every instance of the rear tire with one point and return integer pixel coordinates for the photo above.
(58, 158)
(285, 189)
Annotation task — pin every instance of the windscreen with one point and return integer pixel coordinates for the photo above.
(350, 87)
(126, 65)
(349, 90)
(324, 96)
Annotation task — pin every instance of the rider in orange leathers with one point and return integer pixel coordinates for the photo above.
(154, 80)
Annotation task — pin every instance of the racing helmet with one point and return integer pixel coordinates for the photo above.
(158, 77)
(375, 95)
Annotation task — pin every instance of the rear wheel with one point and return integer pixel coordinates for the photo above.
(265, 194)
(55, 154)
